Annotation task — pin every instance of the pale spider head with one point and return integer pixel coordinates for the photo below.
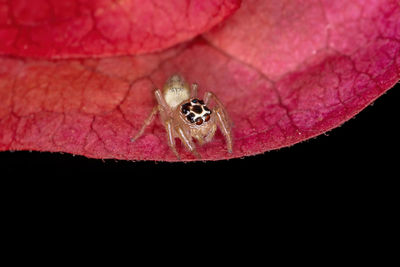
(198, 119)
(175, 91)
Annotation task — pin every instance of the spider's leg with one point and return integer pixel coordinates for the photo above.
(193, 92)
(222, 118)
(161, 101)
(171, 137)
(165, 116)
(146, 123)
(187, 141)
(208, 96)
(224, 126)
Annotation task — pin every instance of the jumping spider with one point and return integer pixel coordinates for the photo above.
(184, 116)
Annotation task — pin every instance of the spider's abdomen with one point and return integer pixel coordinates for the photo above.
(195, 111)
(175, 91)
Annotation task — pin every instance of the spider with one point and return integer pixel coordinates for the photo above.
(184, 116)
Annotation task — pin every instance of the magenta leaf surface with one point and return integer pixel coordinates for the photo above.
(286, 71)
(77, 28)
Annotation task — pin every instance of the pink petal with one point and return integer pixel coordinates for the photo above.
(286, 72)
(64, 29)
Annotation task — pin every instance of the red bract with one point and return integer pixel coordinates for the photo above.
(286, 71)
(76, 28)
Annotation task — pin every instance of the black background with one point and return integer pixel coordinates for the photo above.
(366, 144)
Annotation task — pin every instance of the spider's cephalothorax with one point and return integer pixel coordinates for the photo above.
(184, 116)
(196, 112)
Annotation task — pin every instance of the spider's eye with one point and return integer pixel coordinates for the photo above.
(190, 117)
(199, 121)
(195, 101)
(185, 108)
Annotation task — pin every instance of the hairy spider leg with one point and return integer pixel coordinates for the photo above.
(187, 141)
(223, 121)
(223, 125)
(161, 101)
(161, 105)
(146, 123)
(171, 138)
(193, 92)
